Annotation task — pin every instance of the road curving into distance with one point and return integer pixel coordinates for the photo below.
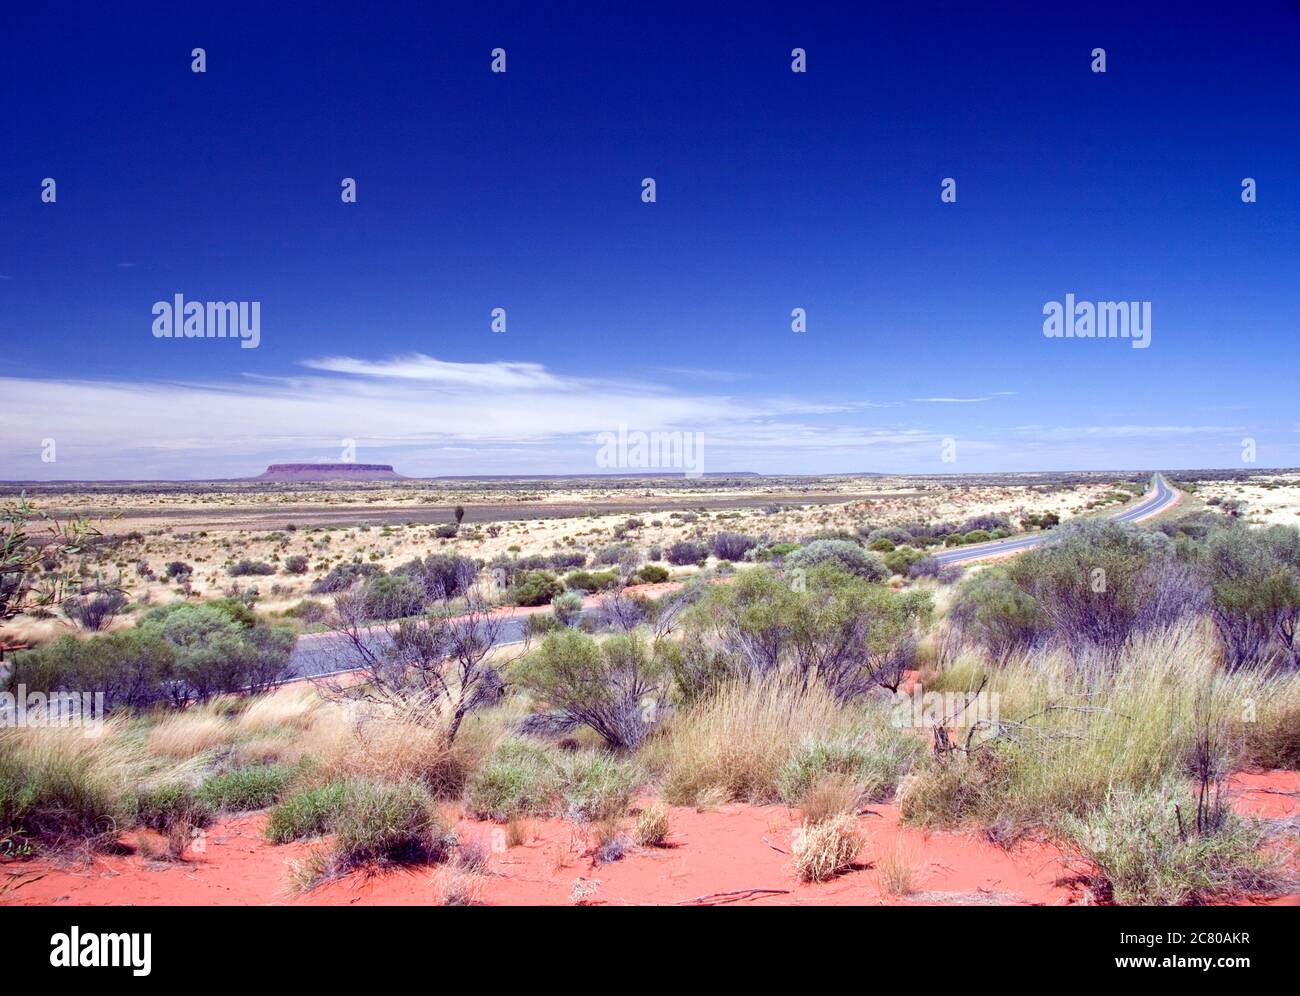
(1159, 499)
(320, 654)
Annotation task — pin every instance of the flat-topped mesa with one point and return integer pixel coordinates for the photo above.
(329, 472)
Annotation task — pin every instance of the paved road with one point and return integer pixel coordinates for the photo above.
(320, 654)
(1160, 498)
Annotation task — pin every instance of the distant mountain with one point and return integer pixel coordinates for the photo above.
(329, 472)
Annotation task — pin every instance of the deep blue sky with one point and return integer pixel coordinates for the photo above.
(775, 190)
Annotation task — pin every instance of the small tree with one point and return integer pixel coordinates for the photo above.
(459, 513)
(434, 669)
(36, 572)
(617, 687)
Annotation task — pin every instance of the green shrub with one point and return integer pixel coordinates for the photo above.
(308, 813)
(993, 612)
(245, 568)
(391, 596)
(597, 787)
(652, 574)
(881, 545)
(130, 669)
(841, 553)
(162, 807)
(535, 588)
(902, 559)
(977, 536)
(1147, 852)
(519, 779)
(296, 564)
(604, 686)
(389, 822)
(244, 788)
(567, 607)
(591, 580)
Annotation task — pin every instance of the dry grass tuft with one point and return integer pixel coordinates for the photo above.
(823, 850)
(831, 795)
(652, 826)
(732, 745)
(187, 734)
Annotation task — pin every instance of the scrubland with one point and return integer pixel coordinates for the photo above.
(817, 704)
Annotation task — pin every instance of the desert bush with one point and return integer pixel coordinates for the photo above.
(519, 779)
(894, 535)
(591, 581)
(391, 596)
(130, 669)
(732, 546)
(535, 588)
(245, 568)
(1254, 579)
(448, 531)
(977, 536)
(296, 564)
(309, 611)
(1102, 581)
(567, 607)
(823, 850)
(612, 554)
(902, 559)
(60, 787)
(308, 813)
(177, 570)
(219, 648)
(842, 553)
(881, 545)
(1145, 850)
(652, 574)
(341, 577)
(840, 630)
(244, 788)
(615, 687)
(993, 612)
(441, 576)
(435, 669)
(96, 609)
(986, 523)
(685, 552)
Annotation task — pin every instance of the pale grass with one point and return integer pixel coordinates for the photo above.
(391, 744)
(821, 851)
(730, 746)
(895, 871)
(187, 734)
(292, 706)
(1077, 730)
(830, 795)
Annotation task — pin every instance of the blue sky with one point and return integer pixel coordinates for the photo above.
(775, 190)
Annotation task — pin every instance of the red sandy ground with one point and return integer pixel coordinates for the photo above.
(731, 849)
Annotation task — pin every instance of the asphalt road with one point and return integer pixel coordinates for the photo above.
(319, 654)
(1159, 499)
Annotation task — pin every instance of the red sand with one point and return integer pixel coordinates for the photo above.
(731, 849)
